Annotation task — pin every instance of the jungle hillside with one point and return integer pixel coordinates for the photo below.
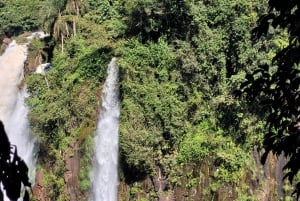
(193, 93)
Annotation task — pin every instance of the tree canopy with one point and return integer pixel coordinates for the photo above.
(18, 16)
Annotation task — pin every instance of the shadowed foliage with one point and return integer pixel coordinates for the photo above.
(276, 85)
(152, 19)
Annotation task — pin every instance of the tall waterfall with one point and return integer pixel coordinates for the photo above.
(105, 169)
(13, 111)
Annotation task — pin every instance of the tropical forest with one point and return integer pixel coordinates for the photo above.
(149, 100)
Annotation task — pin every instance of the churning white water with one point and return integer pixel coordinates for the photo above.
(13, 112)
(105, 169)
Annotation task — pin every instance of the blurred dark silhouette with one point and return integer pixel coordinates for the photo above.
(13, 170)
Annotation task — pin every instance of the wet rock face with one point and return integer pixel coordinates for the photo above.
(263, 182)
(38, 189)
(161, 186)
(159, 180)
(4, 43)
(6, 40)
(71, 176)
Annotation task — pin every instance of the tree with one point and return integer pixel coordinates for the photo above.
(74, 7)
(275, 85)
(61, 30)
(54, 21)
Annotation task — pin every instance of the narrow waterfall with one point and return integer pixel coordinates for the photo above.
(13, 112)
(105, 168)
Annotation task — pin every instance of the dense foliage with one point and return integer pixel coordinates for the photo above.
(180, 63)
(18, 16)
(276, 84)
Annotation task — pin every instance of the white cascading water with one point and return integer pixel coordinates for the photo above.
(105, 168)
(13, 112)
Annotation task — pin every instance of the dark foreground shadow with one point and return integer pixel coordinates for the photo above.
(13, 170)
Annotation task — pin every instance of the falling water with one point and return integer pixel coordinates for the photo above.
(13, 111)
(105, 169)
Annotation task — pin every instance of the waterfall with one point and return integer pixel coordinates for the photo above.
(105, 168)
(13, 111)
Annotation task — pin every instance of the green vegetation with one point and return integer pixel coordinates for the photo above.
(18, 16)
(275, 84)
(180, 65)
